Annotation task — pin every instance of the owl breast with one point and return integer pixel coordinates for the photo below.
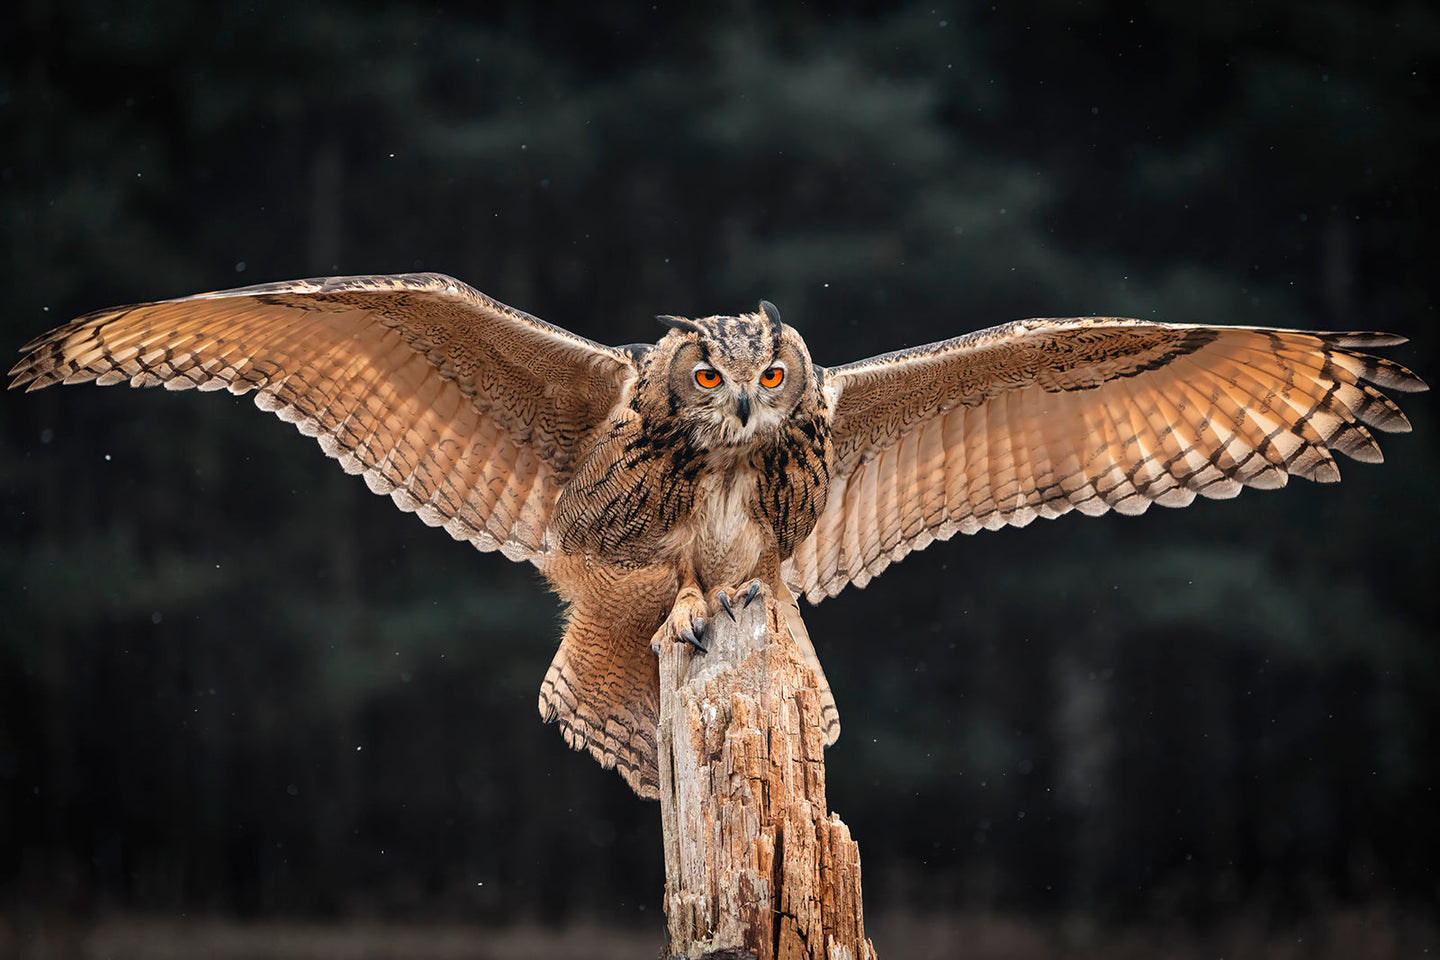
(728, 515)
(722, 539)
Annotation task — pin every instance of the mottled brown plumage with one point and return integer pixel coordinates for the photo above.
(653, 485)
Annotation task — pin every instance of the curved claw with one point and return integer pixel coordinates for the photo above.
(724, 599)
(749, 595)
(690, 637)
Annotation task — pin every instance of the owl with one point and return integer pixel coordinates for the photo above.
(658, 486)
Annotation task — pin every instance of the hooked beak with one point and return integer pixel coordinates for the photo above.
(742, 408)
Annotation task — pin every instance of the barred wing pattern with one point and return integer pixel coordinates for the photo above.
(1040, 417)
(465, 411)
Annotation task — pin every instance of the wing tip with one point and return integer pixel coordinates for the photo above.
(1363, 338)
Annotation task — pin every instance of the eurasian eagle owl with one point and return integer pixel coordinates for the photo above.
(656, 486)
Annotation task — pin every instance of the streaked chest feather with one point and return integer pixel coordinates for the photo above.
(721, 537)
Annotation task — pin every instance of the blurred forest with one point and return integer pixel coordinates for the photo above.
(236, 687)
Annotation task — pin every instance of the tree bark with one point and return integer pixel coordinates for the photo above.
(755, 866)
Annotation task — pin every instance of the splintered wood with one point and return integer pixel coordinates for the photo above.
(755, 866)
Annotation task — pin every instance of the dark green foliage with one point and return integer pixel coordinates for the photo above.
(231, 680)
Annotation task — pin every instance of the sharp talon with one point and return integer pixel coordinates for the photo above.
(750, 594)
(689, 637)
(725, 602)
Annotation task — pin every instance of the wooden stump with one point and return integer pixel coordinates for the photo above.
(755, 866)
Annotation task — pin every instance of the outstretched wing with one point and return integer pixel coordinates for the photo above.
(465, 411)
(1039, 417)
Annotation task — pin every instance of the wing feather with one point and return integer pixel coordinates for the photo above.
(1216, 480)
(906, 503)
(979, 503)
(826, 540)
(957, 478)
(1177, 443)
(1039, 417)
(1026, 472)
(866, 542)
(465, 411)
(887, 500)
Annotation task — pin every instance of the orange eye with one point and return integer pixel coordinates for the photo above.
(773, 377)
(707, 378)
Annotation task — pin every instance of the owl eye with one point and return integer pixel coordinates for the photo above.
(773, 377)
(707, 378)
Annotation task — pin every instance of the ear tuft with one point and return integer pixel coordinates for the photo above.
(772, 313)
(678, 323)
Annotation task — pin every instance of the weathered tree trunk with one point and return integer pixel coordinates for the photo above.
(754, 864)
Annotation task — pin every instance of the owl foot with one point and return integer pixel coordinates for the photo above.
(750, 593)
(688, 635)
(686, 623)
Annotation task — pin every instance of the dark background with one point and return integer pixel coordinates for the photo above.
(233, 684)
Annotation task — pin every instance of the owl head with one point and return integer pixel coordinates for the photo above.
(733, 379)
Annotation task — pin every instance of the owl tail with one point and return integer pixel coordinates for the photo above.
(829, 715)
(603, 689)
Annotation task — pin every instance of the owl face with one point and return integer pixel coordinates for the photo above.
(733, 379)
